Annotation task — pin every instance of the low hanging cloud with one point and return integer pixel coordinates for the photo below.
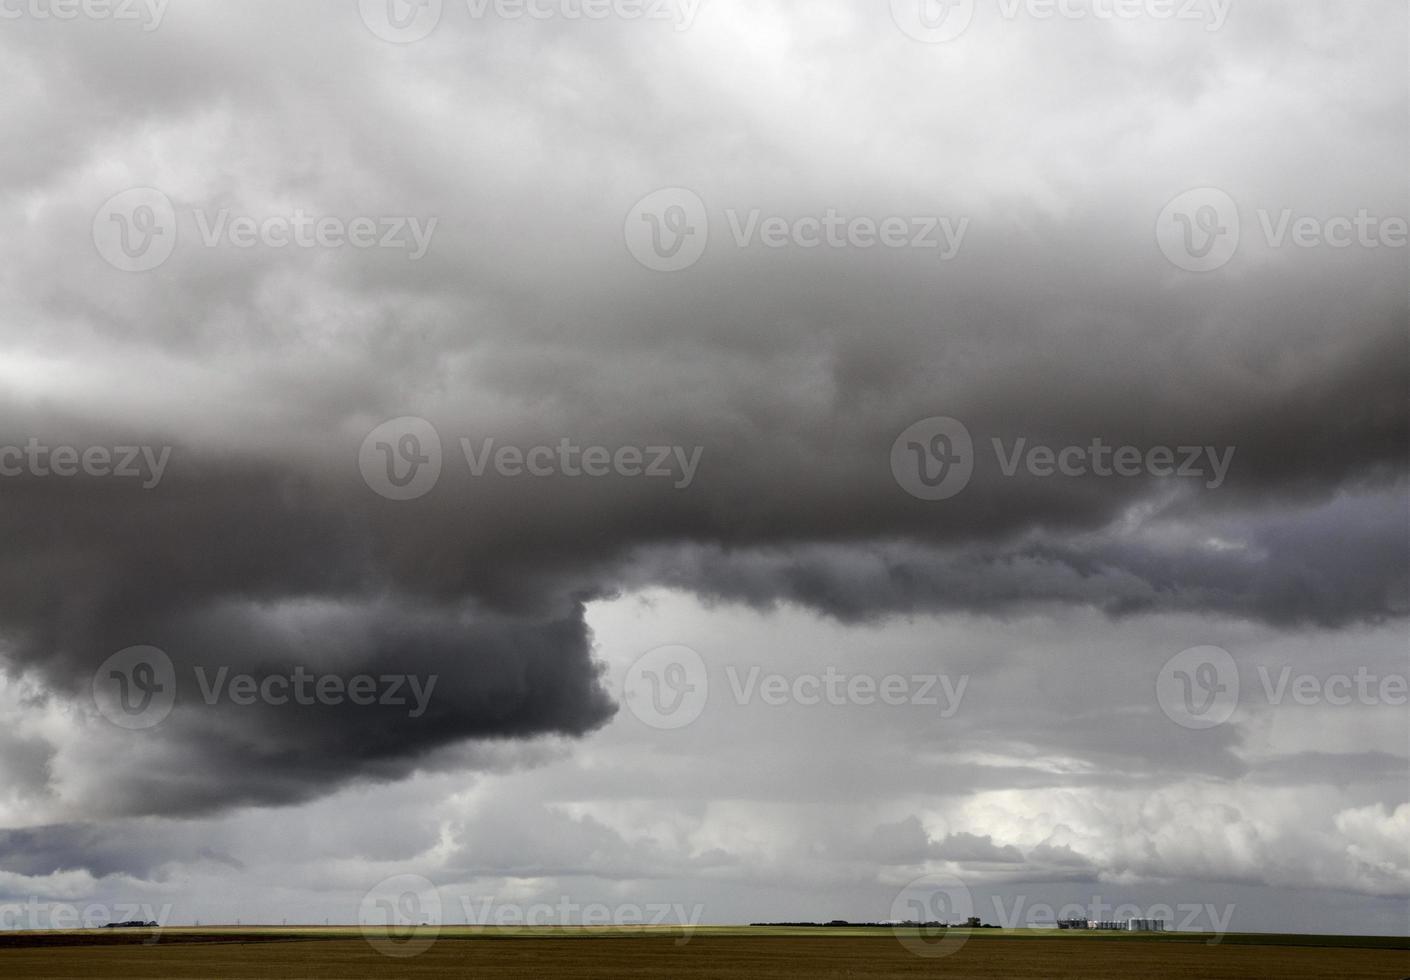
(249, 540)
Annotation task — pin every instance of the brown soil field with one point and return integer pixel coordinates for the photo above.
(291, 956)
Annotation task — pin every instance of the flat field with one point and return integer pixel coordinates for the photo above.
(716, 953)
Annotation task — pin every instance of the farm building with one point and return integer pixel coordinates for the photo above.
(1116, 925)
(1145, 925)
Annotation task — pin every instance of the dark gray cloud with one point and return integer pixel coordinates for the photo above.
(1325, 564)
(250, 572)
(793, 370)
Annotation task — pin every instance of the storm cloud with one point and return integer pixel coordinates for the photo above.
(257, 373)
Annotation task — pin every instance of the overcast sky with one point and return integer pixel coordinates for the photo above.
(770, 305)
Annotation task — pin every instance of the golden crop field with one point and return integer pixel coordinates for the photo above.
(711, 954)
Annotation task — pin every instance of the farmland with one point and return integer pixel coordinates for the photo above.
(711, 952)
